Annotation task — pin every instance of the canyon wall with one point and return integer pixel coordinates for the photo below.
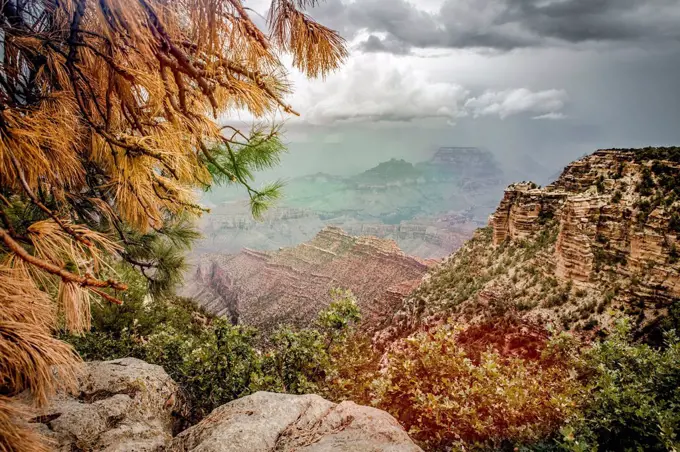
(292, 285)
(614, 211)
(598, 243)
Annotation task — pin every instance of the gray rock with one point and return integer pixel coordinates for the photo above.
(123, 405)
(266, 422)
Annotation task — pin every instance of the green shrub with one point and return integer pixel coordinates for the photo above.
(557, 299)
(647, 185)
(674, 222)
(213, 361)
(633, 398)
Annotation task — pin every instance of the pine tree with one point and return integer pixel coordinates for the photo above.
(108, 127)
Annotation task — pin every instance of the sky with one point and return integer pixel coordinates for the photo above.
(537, 82)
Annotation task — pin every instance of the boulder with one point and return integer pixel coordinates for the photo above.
(266, 422)
(123, 405)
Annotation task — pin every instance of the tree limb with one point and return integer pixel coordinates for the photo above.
(85, 281)
(43, 207)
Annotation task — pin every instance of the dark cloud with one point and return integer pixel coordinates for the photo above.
(599, 20)
(390, 44)
(507, 24)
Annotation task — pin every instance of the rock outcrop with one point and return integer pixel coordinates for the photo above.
(266, 422)
(614, 209)
(127, 405)
(293, 285)
(602, 238)
(123, 405)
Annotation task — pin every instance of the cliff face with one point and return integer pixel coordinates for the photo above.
(602, 238)
(614, 211)
(293, 284)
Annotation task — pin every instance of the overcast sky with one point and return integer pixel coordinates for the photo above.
(538, 80)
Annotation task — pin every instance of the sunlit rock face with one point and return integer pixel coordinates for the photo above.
(266, 422)
(292, 285)
(613, 207)
(599, 242)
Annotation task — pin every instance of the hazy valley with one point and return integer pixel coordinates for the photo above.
(428, 208)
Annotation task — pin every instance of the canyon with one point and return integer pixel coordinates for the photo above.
(598, 243)
(429, 208)
(292, 285)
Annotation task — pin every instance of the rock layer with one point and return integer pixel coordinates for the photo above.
(605, 218)
(292, 285)
(602, 238)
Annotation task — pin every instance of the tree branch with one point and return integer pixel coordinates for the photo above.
(85, 281)
(43, 207)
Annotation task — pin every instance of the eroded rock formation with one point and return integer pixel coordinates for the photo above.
(292, 285)
(122, 405)
(613, 209)
(128, 405)
(601, 239)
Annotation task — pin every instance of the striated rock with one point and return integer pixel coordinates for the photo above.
(602, 238)
(604, 219)
(424, 237)
(574, 252)
(523, 210)
(293, 285)
(123, 405)
(266, 422)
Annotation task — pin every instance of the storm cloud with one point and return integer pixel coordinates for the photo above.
(505, 24)
(553, 79)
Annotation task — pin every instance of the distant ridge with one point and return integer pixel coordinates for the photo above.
(292, 285)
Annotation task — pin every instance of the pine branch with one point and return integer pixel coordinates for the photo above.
(85, 281)
(43, 207)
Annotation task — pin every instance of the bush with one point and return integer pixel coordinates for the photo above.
(647, 185)
(213, 361)
(443, 397)
(633, 398)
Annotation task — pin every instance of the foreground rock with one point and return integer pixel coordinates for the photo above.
(266, 422)
(123, 405)
(129, 405)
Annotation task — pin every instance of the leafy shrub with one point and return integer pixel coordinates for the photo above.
(633, 399)
(213, 361)
(673, 254)
(674, 222)
(557, 299)
(213, 368)
(445, 398)
(647, 185)
(652, 153)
